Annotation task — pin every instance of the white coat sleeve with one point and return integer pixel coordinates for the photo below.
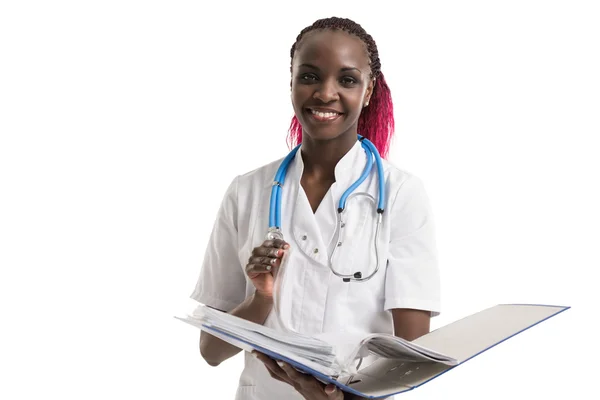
(412, 275)
(222, 283)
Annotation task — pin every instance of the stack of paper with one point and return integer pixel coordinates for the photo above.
(315, 353)
(399, 365)
(389, 346)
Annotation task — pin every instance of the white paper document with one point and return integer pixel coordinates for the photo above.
(395, 365)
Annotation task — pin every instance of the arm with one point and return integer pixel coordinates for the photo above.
(222, 283)
(255, 308)
(410, 324)
(264, 260)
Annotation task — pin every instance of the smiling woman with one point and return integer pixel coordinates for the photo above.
(335, 43)
(330, 85)
(343, 118)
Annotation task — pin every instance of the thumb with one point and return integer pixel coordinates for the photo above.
(330, 390)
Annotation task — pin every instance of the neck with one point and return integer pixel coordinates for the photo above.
(321, 156)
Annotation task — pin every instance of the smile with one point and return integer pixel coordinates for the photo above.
(324, 115)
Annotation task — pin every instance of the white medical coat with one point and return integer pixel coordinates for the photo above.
(314, 300)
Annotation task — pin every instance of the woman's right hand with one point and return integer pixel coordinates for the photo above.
(263, 264)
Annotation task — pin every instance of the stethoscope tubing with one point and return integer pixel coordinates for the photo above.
(275, 232)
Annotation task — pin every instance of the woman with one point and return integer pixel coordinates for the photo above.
(338, 92)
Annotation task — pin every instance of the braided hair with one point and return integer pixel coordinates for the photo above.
(376, 121)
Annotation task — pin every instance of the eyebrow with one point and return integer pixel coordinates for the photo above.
(342, 69)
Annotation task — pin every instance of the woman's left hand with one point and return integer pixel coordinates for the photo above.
(306, 385)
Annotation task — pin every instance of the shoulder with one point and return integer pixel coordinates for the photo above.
(247, 190)
(398, 177)
(403, 186)
(259, 177)
(250, 184)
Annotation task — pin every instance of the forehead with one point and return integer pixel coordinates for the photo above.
(332, 49)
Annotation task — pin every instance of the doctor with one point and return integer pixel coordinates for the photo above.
(338, 92)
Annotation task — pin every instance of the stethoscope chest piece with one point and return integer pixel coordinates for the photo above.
(274, 233)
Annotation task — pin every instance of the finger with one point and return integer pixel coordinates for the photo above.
(257, 269)
(262, 264)
(277, 243)
(333, 392)
(277, 377)
(272, 368)
(268, 252)
(264, 261)
(295, 375)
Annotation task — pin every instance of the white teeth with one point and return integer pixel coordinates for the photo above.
(324, 114)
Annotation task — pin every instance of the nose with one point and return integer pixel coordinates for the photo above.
(327, 91)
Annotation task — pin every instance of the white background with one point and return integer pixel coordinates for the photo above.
(122, 123)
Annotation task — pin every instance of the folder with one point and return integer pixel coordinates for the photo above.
(397, 365)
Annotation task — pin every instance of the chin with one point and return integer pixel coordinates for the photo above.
(321, 134)
(324, 131)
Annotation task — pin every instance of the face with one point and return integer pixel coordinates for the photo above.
(330, 83)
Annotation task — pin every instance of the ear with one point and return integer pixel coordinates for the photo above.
(369, 92)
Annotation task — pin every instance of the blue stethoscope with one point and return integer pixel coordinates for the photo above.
(274, 231)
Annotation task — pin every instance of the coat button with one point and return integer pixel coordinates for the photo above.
(304, 237)
(315, 251)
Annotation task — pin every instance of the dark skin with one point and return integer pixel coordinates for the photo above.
(330, 76)
(331, 73)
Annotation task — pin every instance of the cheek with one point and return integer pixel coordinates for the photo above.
(299, 96)
(355, 103)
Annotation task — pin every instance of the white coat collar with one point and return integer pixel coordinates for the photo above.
(345, 172)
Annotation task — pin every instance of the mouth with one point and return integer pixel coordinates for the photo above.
(324, 115)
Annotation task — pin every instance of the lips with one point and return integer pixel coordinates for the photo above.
(324, 114)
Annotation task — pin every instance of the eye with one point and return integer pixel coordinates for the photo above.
(348, 80)
(308, 78)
